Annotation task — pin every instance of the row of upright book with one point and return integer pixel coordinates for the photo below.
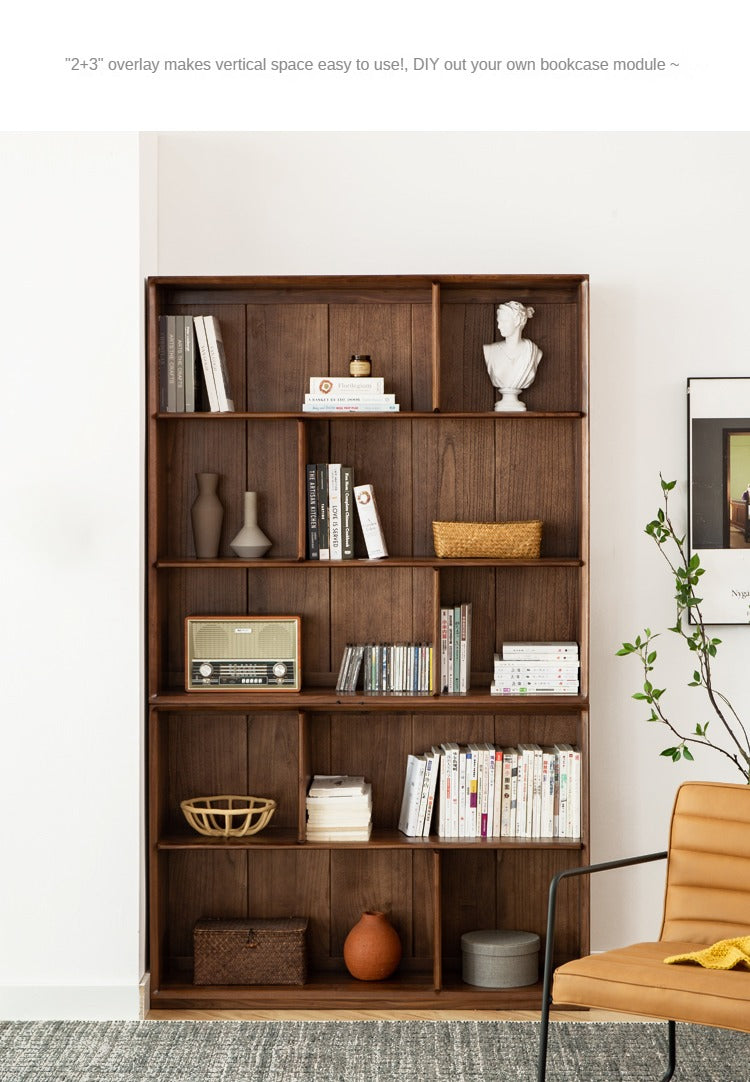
(342, 394)
(193, 374)
(536, 668)
(483, 791)
(387, 668)
(455, 648)
(331, 499)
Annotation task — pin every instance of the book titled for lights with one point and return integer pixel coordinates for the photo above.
(339, 808)
(537, 668)
(343, 394)
(480, 790)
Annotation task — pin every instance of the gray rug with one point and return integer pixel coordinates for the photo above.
(229, 1051)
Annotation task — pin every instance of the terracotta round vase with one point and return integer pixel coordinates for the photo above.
(250, 543)
(372, 950)
(207, 515)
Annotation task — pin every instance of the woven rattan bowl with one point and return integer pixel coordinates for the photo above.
(228, 816)
(491, 540)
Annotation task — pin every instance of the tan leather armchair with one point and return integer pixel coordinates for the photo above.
(707, 899)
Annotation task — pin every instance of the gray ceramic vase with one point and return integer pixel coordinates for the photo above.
(250, 543)
(207, 515)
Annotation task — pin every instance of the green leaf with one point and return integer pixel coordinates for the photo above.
(667, 486)
(670, 752)
(651, 657)
(687, 754)
(697, 677)
(639, 695)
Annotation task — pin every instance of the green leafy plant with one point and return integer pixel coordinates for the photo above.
(687, 572)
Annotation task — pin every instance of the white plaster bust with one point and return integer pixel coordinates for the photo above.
(512, 362)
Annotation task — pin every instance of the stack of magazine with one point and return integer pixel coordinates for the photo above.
(536, 668)
(344, 394)
(339, 809)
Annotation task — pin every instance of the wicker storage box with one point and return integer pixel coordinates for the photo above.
(250, 951)
(493, 540)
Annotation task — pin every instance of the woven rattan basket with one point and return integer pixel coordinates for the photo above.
(228, 816)
(492, 540)
(240, 951)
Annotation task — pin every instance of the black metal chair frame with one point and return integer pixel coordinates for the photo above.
(549, 958)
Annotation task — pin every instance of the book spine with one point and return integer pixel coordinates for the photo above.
(324, 544)
(163, 364)
(347, 512)
(171, 366)
(179, 352)
(218, 364)
(456, 649)
(199, 323)
(370, 522)
(351, 398)
(189, 352)
(333, 407)
(311, 473)
(444, 651)
(334, 510)
(435, 770)
(325, 385)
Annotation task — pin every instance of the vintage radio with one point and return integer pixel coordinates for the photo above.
(242, 653)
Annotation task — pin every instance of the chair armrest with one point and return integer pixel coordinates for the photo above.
(589, 869)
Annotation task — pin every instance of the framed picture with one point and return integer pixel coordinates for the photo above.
(719, 494)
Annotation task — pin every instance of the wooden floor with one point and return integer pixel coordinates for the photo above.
(398, 1016)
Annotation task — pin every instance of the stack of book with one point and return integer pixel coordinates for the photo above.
(331, 498)
(455, 648)
(193, 373)
(389, 668)
(339, 809)
(419, 794)
(484, 791)
(344, 394)
(536, 668)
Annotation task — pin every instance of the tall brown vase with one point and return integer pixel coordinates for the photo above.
(372, 950)
(207, 515)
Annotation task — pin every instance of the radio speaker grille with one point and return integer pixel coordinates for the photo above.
(265, 640)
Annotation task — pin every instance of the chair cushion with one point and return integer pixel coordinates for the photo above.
(636, 980)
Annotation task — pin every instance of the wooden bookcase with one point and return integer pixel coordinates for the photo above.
(446, 455)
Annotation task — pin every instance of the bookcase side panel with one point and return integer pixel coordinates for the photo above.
(287, 344)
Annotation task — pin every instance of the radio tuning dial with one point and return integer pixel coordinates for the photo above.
(279, 669)
(206, 669)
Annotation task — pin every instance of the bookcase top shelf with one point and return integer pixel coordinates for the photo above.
(322, 700)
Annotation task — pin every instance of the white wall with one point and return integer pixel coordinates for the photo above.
(660, 223)
(71, 542)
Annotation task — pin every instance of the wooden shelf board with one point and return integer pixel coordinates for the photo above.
(346, 415)
(337, 991)
(426, 562)
(323, 701)
(380, 839)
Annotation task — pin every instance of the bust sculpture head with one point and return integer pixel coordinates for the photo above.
(513, 361)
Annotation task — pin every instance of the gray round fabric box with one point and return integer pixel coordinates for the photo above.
(493, 958)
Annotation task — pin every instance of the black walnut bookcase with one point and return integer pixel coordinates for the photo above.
(447, 456)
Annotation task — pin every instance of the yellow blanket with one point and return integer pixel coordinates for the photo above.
(726, 954)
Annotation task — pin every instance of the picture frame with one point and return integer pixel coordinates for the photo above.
(719, 494)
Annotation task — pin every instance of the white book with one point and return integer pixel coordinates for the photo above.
(352, 407)
(531, 649)
(352, 398)
(465, 648)
(484, 758)
(338, 786)
(218, 364)
(451, 759)
(563, 774)
(536, 806)
(548, 793)
(427, 758)
(407, 821)
(334, 512)
(509, 761)
(364, 497)
(434, 758)
(525, 790)
(206, 366)
(463, 751)
(440, 792)
(471, 791)
(574, 798)
(346, 384)
(497, 797)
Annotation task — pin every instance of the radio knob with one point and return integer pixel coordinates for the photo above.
(279, 669)
(206, 669)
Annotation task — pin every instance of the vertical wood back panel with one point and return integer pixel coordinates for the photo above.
(287, 344)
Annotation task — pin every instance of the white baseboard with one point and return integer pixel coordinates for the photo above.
(47, 1003)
